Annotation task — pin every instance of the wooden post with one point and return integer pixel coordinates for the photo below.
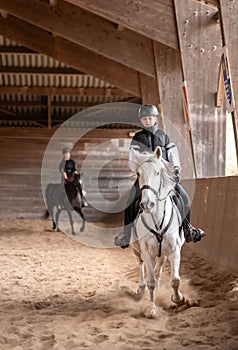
(158, 86)
(187, 121)
(49, 111)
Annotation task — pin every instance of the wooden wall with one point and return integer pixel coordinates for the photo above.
(22, 152)
(144, 58)
(215, 209)
(201, 44)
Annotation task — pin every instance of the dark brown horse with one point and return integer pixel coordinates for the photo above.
(68, 198)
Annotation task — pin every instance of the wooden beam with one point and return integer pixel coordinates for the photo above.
(3, 13)
(49, 119)
(158, 82)
(71, 54)
(149, 90)
(65, 104)
(213, 3)
(22, 104)
(36, 90)
(52, 2)
(87, 30)
(38, 71)
(5, 111)
(16, 50)
(153, 19)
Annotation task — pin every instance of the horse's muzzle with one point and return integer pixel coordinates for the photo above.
(147, 206)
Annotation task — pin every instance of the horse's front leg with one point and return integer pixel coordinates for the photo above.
(56, 222)
(135, 247)
(158, 270)
(142, 282)
(151, 310)
(71, 222)
(79, 211)
(174, 259)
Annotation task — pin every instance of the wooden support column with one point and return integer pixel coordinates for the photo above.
(168, 68)
(156, 62)
(49, 111)
(149, 92)
(229, 27)
(201, 45)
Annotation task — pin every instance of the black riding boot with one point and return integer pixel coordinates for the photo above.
(84, 201)
(191, 234)
(130, 214)
(123, 239)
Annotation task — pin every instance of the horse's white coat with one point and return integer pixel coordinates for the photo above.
(152, 169)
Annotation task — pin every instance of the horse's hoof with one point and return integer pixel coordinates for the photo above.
(140, 291)
(148, 312)
(154, 312)
(179, 302)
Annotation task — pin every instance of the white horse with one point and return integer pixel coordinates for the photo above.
(157, 234)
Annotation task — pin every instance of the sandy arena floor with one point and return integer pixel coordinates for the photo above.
(59, 294)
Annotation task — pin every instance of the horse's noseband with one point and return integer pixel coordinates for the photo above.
(148, 187)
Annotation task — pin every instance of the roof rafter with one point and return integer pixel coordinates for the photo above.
(87, 30)
(16, 50)
(41, 104)
(35, 90)
(153, 19)
(71, 54)
(36, 71)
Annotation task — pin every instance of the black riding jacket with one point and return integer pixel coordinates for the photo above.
(68, 166)
(147, 140)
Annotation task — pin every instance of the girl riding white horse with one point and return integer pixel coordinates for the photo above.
(158, 233)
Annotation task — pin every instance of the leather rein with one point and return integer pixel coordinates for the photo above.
(159, 230)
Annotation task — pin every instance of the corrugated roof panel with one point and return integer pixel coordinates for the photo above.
(29, 106)
(7, 42)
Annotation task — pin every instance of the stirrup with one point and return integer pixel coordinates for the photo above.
(198, 234)
(191, 233)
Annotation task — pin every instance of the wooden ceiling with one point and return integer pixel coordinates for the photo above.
(112, 41)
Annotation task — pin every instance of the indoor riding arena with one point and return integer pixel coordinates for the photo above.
(74, 74)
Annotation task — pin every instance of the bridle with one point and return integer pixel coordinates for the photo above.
(156, 193)
(159, 230)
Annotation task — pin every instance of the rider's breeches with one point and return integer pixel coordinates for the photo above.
(182, 194)
(132, 206)
(80, 190)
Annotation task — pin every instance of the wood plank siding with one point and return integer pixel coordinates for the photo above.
(201, 44)
(22, 152)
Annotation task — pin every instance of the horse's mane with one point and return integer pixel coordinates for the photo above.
(168, 173)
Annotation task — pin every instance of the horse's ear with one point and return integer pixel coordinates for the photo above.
(158, 152)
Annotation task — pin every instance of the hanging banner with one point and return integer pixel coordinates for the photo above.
(225, 68)
(185, 105)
